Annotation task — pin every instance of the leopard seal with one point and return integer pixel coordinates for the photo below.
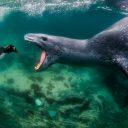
(109, 46)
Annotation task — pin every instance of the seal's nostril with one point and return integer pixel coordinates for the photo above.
(44, 38)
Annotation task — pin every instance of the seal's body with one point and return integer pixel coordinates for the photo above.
(118, 4)
(109, 46)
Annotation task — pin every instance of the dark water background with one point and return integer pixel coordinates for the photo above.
(62, 96)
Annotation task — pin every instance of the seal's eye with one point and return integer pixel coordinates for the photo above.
(44, 38)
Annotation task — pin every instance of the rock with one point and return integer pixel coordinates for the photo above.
(39, 102)
(52, 113)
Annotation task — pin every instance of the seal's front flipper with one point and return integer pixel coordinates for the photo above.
(122, 62)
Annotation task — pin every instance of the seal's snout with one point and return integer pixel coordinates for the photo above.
(29, 37)
(25, 36)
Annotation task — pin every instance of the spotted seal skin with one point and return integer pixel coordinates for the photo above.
(118, 4)
(109, 46)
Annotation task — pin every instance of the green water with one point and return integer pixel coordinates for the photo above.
(63, 96)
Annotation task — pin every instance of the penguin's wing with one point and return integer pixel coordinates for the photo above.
(122, 62)
(2, 55)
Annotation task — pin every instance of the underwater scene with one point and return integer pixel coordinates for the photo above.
(63, 95)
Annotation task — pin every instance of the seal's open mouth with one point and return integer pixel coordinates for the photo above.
(43, 56)
(41, 62)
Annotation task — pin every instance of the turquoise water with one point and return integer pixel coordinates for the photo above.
(63, 96)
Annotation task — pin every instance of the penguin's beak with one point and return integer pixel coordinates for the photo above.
(15, 50)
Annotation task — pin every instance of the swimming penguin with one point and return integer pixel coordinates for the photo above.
(6, 50)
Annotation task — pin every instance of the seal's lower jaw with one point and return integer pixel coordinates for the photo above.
(41, 62)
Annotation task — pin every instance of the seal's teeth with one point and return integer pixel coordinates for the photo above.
(41, 62)
(38, 66)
